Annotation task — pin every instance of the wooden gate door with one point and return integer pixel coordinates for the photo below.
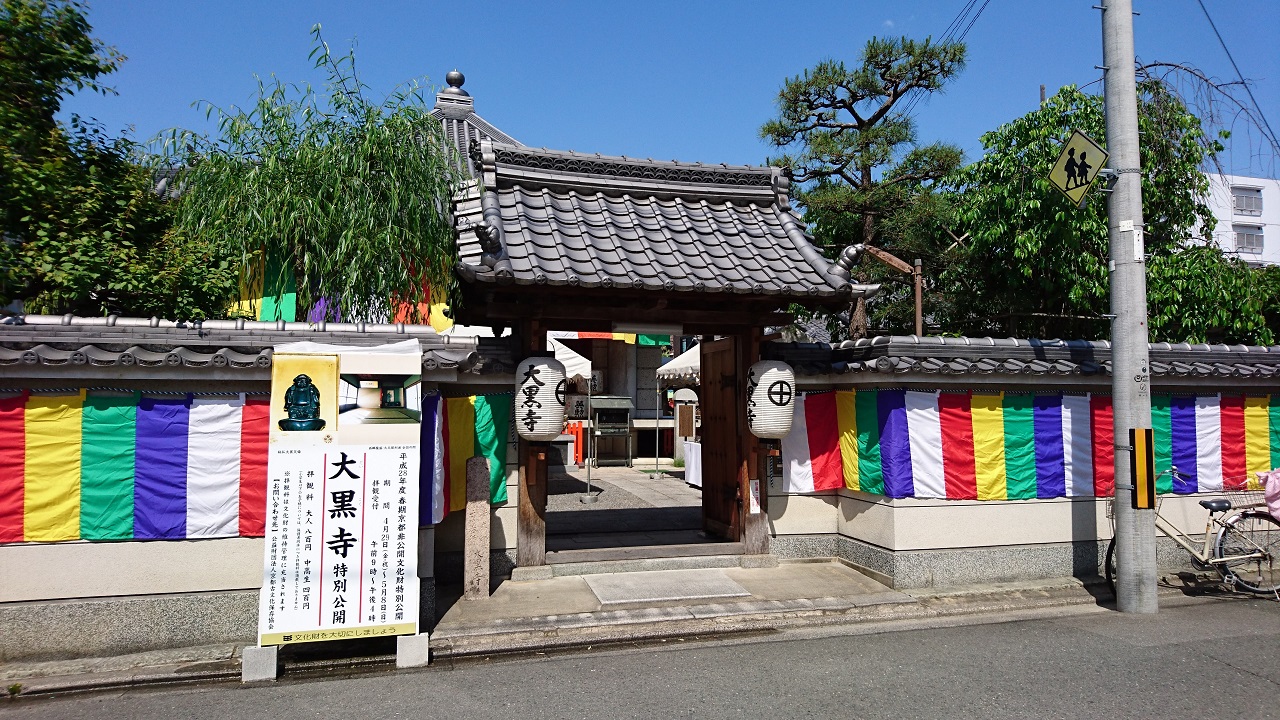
(721, 498)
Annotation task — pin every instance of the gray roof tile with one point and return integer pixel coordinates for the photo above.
(235, 345)
(1013, 356)
(669, 225)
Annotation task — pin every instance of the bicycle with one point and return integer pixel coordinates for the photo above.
(1246, 551)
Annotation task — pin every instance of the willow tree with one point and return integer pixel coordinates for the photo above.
(852, 146)
(346, 196)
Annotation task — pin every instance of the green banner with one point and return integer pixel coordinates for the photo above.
(106, 467)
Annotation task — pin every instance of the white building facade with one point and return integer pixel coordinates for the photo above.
(1248, 213)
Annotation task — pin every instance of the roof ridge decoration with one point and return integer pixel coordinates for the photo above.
(489, 230)
(657, 171)
(455, 109)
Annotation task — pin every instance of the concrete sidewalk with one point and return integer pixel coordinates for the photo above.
(587, 611)
(581, 611)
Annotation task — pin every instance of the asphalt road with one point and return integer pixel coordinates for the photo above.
(1213, 658)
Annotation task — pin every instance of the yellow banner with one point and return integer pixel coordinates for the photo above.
(368, 631)
(52, 497)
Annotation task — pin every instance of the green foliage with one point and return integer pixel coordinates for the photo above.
(83, 231)
(45, 54)
(844, 133)
(354, 194)
(96, 239)
(1036, 265)
(1200, 295)
(853, 149)
(1268, 288)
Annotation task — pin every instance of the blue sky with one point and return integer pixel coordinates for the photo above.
(672, 80)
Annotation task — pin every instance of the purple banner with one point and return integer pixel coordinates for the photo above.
(1051, 460)
(1182, 421)
(160, 477)
(895, 443)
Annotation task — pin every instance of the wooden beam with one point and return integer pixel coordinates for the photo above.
(755, 526)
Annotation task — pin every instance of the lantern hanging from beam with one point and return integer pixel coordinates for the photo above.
(771, 392)
(539, 401)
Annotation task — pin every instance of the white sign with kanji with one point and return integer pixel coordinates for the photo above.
(341, 543)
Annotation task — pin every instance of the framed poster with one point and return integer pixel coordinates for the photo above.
(341, 545)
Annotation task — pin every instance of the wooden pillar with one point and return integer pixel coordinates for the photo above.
(531, 523)
(755, 521)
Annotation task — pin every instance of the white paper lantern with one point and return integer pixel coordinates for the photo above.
(539, 402)
(771, 393)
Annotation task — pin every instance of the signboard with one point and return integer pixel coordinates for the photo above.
(1142, 466)
(575, 407)
(341, 552)
(684, 420)
(1078, 166)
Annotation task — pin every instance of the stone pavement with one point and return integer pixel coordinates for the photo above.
(632, 506)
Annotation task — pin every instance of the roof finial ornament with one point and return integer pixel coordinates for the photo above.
(455, 80)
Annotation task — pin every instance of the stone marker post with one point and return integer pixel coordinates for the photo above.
(475, 569)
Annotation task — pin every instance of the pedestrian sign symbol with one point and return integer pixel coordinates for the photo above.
(1078, 166)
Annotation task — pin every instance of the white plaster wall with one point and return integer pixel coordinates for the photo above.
(81, 569)
(911, 524)
(869, 518)
(802, 514)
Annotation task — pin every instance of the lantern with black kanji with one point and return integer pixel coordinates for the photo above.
(539, 401)
(771, 393)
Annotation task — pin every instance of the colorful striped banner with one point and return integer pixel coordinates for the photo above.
(77, 467)
(453, 431)
(1017, 446)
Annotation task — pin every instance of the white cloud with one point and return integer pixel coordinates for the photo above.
(889, 24)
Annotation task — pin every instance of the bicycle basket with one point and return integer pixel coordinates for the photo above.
(1245, 499)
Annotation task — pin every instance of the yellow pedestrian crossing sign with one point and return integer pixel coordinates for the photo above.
(1078, 166)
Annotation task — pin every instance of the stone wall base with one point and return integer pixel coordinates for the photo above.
(946, 567)
(110, 626)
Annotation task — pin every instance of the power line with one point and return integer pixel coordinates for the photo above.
(955, 22)
(961, 18)
(1240, 75)
(976, 15)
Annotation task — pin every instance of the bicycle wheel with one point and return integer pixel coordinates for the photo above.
(1250, 533)
(1109, 567)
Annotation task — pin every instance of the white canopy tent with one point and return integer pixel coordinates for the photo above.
(683, 370)
(575, 366)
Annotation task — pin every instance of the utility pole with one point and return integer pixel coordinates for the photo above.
(1130, 374)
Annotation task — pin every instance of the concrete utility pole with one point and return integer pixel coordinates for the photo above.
(1130, 374)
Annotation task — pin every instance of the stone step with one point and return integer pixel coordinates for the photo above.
(639, 559)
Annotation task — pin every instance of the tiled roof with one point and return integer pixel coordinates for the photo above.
(901, 355)
(43, 340)
(562, 218)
